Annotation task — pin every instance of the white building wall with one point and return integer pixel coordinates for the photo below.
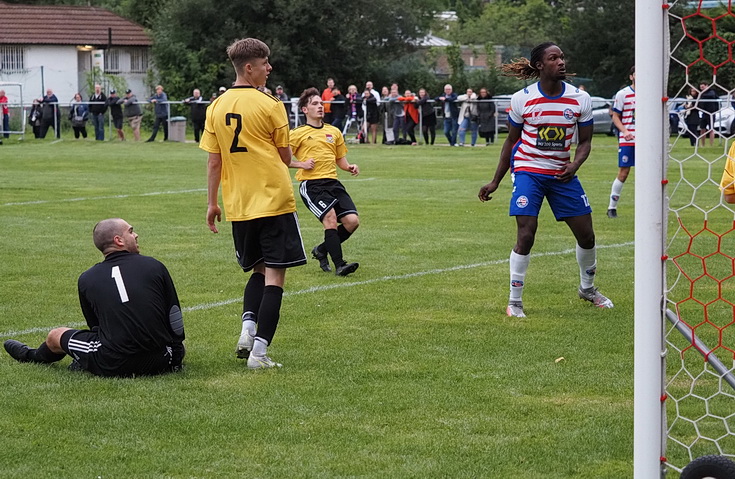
(57, 67)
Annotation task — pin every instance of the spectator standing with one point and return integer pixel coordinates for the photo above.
(51, 116)
(398, 113)
(327, 97)
(116, 112)
(198, 112)
(133, 113)
(281, 95)
(372, 113)
(692, 116)
(428, 117)
(34, 117)
(339, 108)
(486, 116)
(160, 108)
(451, 114)
(412, 115)
(709, 104)
(354, 104)
(467, 116)
(78, 114)
(97, 109)
(386, 115)
(5, 116)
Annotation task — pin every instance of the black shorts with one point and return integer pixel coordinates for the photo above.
(373, 117)
(705, 123)
(320, 196)
(275, 240)
(117, 123)
(89, 354)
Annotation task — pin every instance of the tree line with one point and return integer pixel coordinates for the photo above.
(378, 40)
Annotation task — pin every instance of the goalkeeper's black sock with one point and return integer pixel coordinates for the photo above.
(44, 355)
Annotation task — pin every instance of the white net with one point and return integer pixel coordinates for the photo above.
(699, 329)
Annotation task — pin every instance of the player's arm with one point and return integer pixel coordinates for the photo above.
(214, 175)
(304, 165)
(617, 119)
(514, 135)
(87, 310)
(285, 154)
(727, 183)
(346, 166)
(584, 146)
(175, 317)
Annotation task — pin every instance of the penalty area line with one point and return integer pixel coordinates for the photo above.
(316, 289)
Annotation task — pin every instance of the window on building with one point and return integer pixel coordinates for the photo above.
(12, 58)
(112, 61)
(138, 60)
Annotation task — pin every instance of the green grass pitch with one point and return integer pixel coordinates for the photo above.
(408, 368)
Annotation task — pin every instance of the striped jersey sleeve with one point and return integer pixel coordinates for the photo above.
(624, 105)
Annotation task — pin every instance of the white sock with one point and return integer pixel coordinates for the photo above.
(248, 324)
(518, 268)
(259, 347)
(617, 188)
(587, 260)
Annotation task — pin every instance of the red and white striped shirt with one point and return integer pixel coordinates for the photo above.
(548, 125)
(624, 105)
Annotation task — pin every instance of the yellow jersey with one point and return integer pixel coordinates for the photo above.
(325, 145)
(727, 184)
(246, 127)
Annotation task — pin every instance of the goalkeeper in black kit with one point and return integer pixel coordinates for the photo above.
(132, 311)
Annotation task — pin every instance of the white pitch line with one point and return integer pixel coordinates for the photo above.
(316, 289)
(93, 198)
(152, 193)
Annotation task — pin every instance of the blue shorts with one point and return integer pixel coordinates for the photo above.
(565, 199)
(626, 156)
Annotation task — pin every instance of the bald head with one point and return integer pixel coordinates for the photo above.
(114, 234)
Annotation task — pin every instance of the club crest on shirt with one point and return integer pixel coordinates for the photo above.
(568, 114)
(330, 138)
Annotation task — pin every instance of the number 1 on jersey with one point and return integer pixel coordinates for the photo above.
(120, 284)
(238, 128)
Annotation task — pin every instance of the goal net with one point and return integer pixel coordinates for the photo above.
(694, 263)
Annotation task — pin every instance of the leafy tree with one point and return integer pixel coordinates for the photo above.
(310, 40)
(596, 50)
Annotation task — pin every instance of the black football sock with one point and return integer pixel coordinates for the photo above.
(44, 355)
(269, 313)
(334, 246)
(253, 295)
(344, 235)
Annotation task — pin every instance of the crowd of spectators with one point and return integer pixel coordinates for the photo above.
(394, 113)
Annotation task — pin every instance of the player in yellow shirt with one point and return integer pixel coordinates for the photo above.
(727, 184)
(246, 134)
(321, 149)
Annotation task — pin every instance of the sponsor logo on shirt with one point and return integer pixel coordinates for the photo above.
(551, 138)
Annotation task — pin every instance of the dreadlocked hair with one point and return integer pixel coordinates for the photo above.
(519, 68)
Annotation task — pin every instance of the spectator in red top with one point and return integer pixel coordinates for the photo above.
(412, 114)
(6, 116)
(327, 97)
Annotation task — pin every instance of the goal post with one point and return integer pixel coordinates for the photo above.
(684, 318)
(650, 223)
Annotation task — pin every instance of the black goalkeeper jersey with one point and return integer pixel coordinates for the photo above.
(129, 299)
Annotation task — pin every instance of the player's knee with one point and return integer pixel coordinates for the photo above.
(53, 339)
(351, 222)
(330, 220)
